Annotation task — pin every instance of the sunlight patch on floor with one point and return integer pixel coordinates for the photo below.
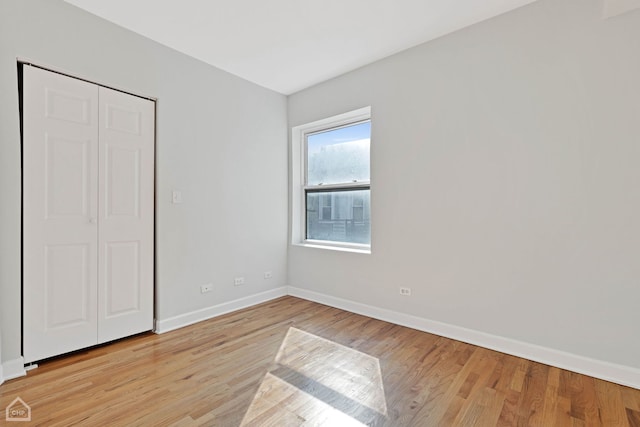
(317, 381)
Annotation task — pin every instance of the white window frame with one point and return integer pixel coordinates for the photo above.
(299, 179)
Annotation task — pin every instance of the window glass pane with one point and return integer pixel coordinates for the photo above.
(339, 216)
(339, 155)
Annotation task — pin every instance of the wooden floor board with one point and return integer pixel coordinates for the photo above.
(291, 362)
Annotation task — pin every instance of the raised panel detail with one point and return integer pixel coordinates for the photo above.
(67, 284)
(123, 120)
(122, 182)
(66, 186)
(123, 278)
(64, 106)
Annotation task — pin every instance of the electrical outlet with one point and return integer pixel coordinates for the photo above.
(268, 275)
(405, 291)
(238, 281)
(206, 288)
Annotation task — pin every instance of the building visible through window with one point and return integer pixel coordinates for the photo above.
(337, 185)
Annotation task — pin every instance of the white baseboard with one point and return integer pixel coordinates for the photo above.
(187, 319)
(12, 369)
(620, 374)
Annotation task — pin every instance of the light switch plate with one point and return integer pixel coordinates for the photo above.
(176, 196)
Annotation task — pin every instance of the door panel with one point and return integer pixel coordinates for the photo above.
(126, 217)
(60, 207)
(67, 164)
(122, 278)
(67, 285)
(122, 186)
(120, 117)
(67, 106)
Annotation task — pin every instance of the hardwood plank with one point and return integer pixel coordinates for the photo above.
(610, 404)
(295, 362)
(633, 417)
(550, 401)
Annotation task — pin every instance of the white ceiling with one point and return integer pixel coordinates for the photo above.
(288, 45)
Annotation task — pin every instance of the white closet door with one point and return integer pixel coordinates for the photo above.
(126, 218)
(60, 198)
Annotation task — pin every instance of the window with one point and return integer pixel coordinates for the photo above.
(331, 173)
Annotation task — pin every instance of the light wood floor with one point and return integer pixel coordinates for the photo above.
(291, 362)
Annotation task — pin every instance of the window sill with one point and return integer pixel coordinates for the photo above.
(335, 247)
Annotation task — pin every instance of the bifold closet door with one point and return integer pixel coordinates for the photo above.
(126, 201)
(60, 227)
(88, 214)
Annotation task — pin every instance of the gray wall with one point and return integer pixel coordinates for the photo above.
(220, 140)
(505, 170)
(505, 164)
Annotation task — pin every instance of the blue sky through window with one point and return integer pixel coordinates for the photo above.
(356, 132)
(339, 155)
